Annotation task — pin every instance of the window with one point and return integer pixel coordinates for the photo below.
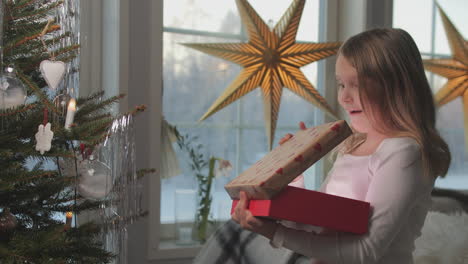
(430, 36)
(193, 80)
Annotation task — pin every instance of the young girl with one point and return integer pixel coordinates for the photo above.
(391, 161)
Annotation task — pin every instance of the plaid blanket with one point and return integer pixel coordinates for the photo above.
(231, 244)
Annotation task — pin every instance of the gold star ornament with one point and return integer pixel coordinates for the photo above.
(271, 61)
(454, 69)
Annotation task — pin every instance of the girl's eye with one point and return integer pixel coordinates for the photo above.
(340, 86)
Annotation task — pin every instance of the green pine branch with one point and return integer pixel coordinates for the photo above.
(31, 13)
(92, 107)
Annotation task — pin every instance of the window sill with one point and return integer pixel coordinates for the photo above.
(169, 250)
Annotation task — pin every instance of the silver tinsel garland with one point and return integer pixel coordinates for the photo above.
(120, 202)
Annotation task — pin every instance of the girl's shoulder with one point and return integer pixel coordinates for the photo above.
(403, 150)
(397, 143)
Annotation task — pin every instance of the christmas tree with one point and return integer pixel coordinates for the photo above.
(44, 134)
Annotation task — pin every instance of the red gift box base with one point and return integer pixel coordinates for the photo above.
(314, 208)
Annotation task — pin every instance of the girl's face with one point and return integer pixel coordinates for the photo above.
(348, 95)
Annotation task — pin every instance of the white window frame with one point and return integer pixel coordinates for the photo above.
(99, 68)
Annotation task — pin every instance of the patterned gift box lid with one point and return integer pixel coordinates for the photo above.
(269, 175)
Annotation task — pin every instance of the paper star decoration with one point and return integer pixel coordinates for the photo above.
(271, 61)
(454, 69)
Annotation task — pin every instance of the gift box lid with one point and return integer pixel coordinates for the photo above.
(269, 175)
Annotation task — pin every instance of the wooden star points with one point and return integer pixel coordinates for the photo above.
(271, 61)
(454, 69)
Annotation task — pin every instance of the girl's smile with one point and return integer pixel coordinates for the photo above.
(355, 112)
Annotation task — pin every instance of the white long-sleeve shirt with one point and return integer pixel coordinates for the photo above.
(392, 181)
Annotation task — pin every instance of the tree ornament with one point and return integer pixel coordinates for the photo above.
(67, 165)
(12, 90)
(95, 179)
(71, 110)
(8, 221)
(44, 138)
(68, 220)
(53, 72)
(271, 60)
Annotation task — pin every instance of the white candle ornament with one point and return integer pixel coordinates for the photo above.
(70, 113)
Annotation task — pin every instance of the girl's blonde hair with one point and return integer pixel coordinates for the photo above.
(394, 87)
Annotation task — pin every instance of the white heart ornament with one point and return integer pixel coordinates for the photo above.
(53, 72)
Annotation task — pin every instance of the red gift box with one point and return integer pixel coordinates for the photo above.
(314, 208)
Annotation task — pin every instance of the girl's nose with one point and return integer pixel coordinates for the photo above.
(346, 95)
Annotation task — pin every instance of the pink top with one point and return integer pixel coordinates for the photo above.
(392, 181)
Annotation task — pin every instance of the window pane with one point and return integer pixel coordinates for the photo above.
(404, 13)
(450, 124)
(206, 15)
(223, 16)
(293, 109)
(193, 80)
(216, 141)
(457, 11)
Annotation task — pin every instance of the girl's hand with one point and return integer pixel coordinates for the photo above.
(243, 216)
(289, 135)
(246, 220)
